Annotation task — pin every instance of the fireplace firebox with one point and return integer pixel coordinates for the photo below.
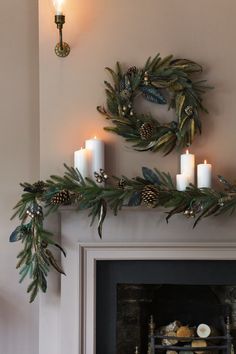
(130, 292)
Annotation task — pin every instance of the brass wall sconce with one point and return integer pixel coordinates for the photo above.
(62, 49)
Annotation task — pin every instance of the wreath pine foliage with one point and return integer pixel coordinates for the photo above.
(161, 81)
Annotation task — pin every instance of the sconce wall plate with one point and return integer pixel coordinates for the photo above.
(62, 49)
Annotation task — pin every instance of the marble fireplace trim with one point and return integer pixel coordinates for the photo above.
(78, 302)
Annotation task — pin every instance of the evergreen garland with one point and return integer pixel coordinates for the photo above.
(152, 189)
(161, 81)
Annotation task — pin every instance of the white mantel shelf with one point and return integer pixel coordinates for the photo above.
(136, 233)
(139, 224)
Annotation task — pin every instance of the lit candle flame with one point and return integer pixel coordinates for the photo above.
(187, 152)
(205, 162)
(95, 137)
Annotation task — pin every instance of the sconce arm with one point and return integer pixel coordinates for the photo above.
(62, 49)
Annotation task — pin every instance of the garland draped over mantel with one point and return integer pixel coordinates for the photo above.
(152, 189)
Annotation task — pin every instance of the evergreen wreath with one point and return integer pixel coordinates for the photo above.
(152, 189)
(160, 81)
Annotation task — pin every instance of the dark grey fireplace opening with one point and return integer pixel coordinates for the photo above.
(127, 292)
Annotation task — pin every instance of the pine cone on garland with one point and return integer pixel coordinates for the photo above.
(61, 197)
(150, 196)
(39, 186)
(146, 131)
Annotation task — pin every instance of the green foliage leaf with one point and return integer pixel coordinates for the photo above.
(135, 199)
(53, 262)
(150, 176)
(152, 94)
(16, 235)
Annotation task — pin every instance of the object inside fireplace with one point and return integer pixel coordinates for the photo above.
(189, 305)
(178, 338)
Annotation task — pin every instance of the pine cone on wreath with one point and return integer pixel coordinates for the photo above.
(150, 196)
(61, 197)
(132, 70)
(146, 131)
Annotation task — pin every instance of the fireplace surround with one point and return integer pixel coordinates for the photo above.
(93, 253)
(134, 235)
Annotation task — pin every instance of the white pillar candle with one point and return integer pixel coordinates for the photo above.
(182, 182)
(204, 175)
(81, 161)
(97, 155)
(187, 166)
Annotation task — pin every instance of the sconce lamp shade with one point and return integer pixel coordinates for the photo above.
(58, 4)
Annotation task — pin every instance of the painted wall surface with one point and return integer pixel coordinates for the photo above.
(102, 32)
(19, 156)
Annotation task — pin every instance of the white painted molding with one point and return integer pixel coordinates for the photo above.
(89, 253)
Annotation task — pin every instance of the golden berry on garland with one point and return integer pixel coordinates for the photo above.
(189, 213)
(146, 78)
(223, 200)
(131, 113)
(150, 196)
(101, 176)
(146, 131)
(61, 197)
(124, 110)
(34, 210)
(194, 209)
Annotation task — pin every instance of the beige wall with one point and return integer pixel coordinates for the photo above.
(101, 32)
(19, 156)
